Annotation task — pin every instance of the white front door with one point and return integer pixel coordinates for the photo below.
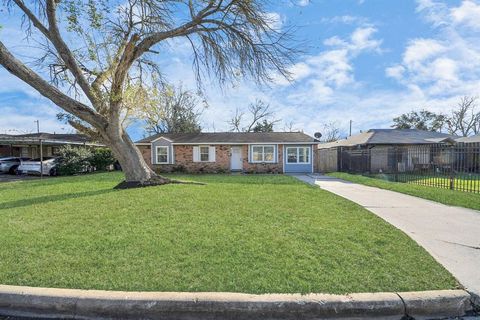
(236, 159)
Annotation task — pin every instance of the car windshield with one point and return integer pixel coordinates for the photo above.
(8, 159)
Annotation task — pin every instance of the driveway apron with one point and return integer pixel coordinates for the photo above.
(450, 234)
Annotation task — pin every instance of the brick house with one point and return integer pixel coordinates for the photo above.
(269, 152)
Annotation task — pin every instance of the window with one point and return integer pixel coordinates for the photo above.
(162, 154)
(204, 152)
(263, 153)
(298, 155)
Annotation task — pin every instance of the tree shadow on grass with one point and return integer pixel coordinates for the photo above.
(51, 198)
(240, 179)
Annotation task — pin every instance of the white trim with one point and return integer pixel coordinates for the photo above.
(200, 153)
(242, 143)
(313, 159)
(161, 137)
(275, 146)
(212, 154)
(172, 158)
(156, 154)
(298, 154)
(197, 156)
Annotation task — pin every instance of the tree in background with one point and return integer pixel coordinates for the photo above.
(465, 118)
(167, 109)
(99, 48)
(330, 132)
(259, 119)
(421, 120)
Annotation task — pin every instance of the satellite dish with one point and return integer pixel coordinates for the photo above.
(317, 135)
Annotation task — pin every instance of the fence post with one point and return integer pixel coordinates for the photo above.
(395, 167)
(452, 174)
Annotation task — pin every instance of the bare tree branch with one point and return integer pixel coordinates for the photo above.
(17, 68)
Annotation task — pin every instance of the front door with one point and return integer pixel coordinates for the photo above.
(236, 159)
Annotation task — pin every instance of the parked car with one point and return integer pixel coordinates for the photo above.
(10, 164)
(48, 166)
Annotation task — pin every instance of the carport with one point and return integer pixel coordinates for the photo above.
(40, 145)
(37, 145)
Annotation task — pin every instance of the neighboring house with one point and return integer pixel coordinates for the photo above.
(472, 139)
(386, 150)
(275, 152)
(468, 153)
(28, 145)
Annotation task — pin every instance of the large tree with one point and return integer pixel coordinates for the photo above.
(422, 120)
(259, 118)
(465, 117)
(167, 109)
(93, 50)
(330, 132)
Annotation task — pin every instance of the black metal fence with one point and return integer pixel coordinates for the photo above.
(455, 167)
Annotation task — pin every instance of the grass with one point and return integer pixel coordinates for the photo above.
(461, 182)
(445, 196)
(255, 234)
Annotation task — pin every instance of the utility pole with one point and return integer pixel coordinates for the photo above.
(350, 128)
(41, 159)
(38, 125)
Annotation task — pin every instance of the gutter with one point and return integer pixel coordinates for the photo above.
(20, 301)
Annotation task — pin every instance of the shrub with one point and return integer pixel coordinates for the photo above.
(101, 159)
(179, 168)
(73, 160)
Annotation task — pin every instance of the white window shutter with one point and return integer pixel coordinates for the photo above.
(196, 154)
(211, 154)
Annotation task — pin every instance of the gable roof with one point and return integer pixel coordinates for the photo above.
(392, 137)
(232, 137)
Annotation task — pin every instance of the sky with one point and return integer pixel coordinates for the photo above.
(362, 60)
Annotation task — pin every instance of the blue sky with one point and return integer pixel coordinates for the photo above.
(364, 60)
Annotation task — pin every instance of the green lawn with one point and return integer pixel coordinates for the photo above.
(465, 182)
(446, 196)
(253, 234)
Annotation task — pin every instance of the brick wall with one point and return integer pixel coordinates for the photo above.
(184, 161)
(4, 150)
(146, 152)
(263, 167)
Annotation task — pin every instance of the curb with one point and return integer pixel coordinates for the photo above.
(96, 304)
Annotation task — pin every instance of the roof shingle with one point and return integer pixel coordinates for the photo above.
(234, 137)
(391, 137)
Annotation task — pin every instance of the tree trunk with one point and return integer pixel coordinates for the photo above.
(136, 170)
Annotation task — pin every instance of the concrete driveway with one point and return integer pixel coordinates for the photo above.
(450, 234)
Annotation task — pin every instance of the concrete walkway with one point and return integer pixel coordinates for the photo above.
(450, 234)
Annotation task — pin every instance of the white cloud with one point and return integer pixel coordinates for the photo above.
(362, 39)
(433, 11)
(468, 14)
(395, 72)
(418, 50)
(346, 19)
(448, 63)
(303, 3)
(274, 20)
